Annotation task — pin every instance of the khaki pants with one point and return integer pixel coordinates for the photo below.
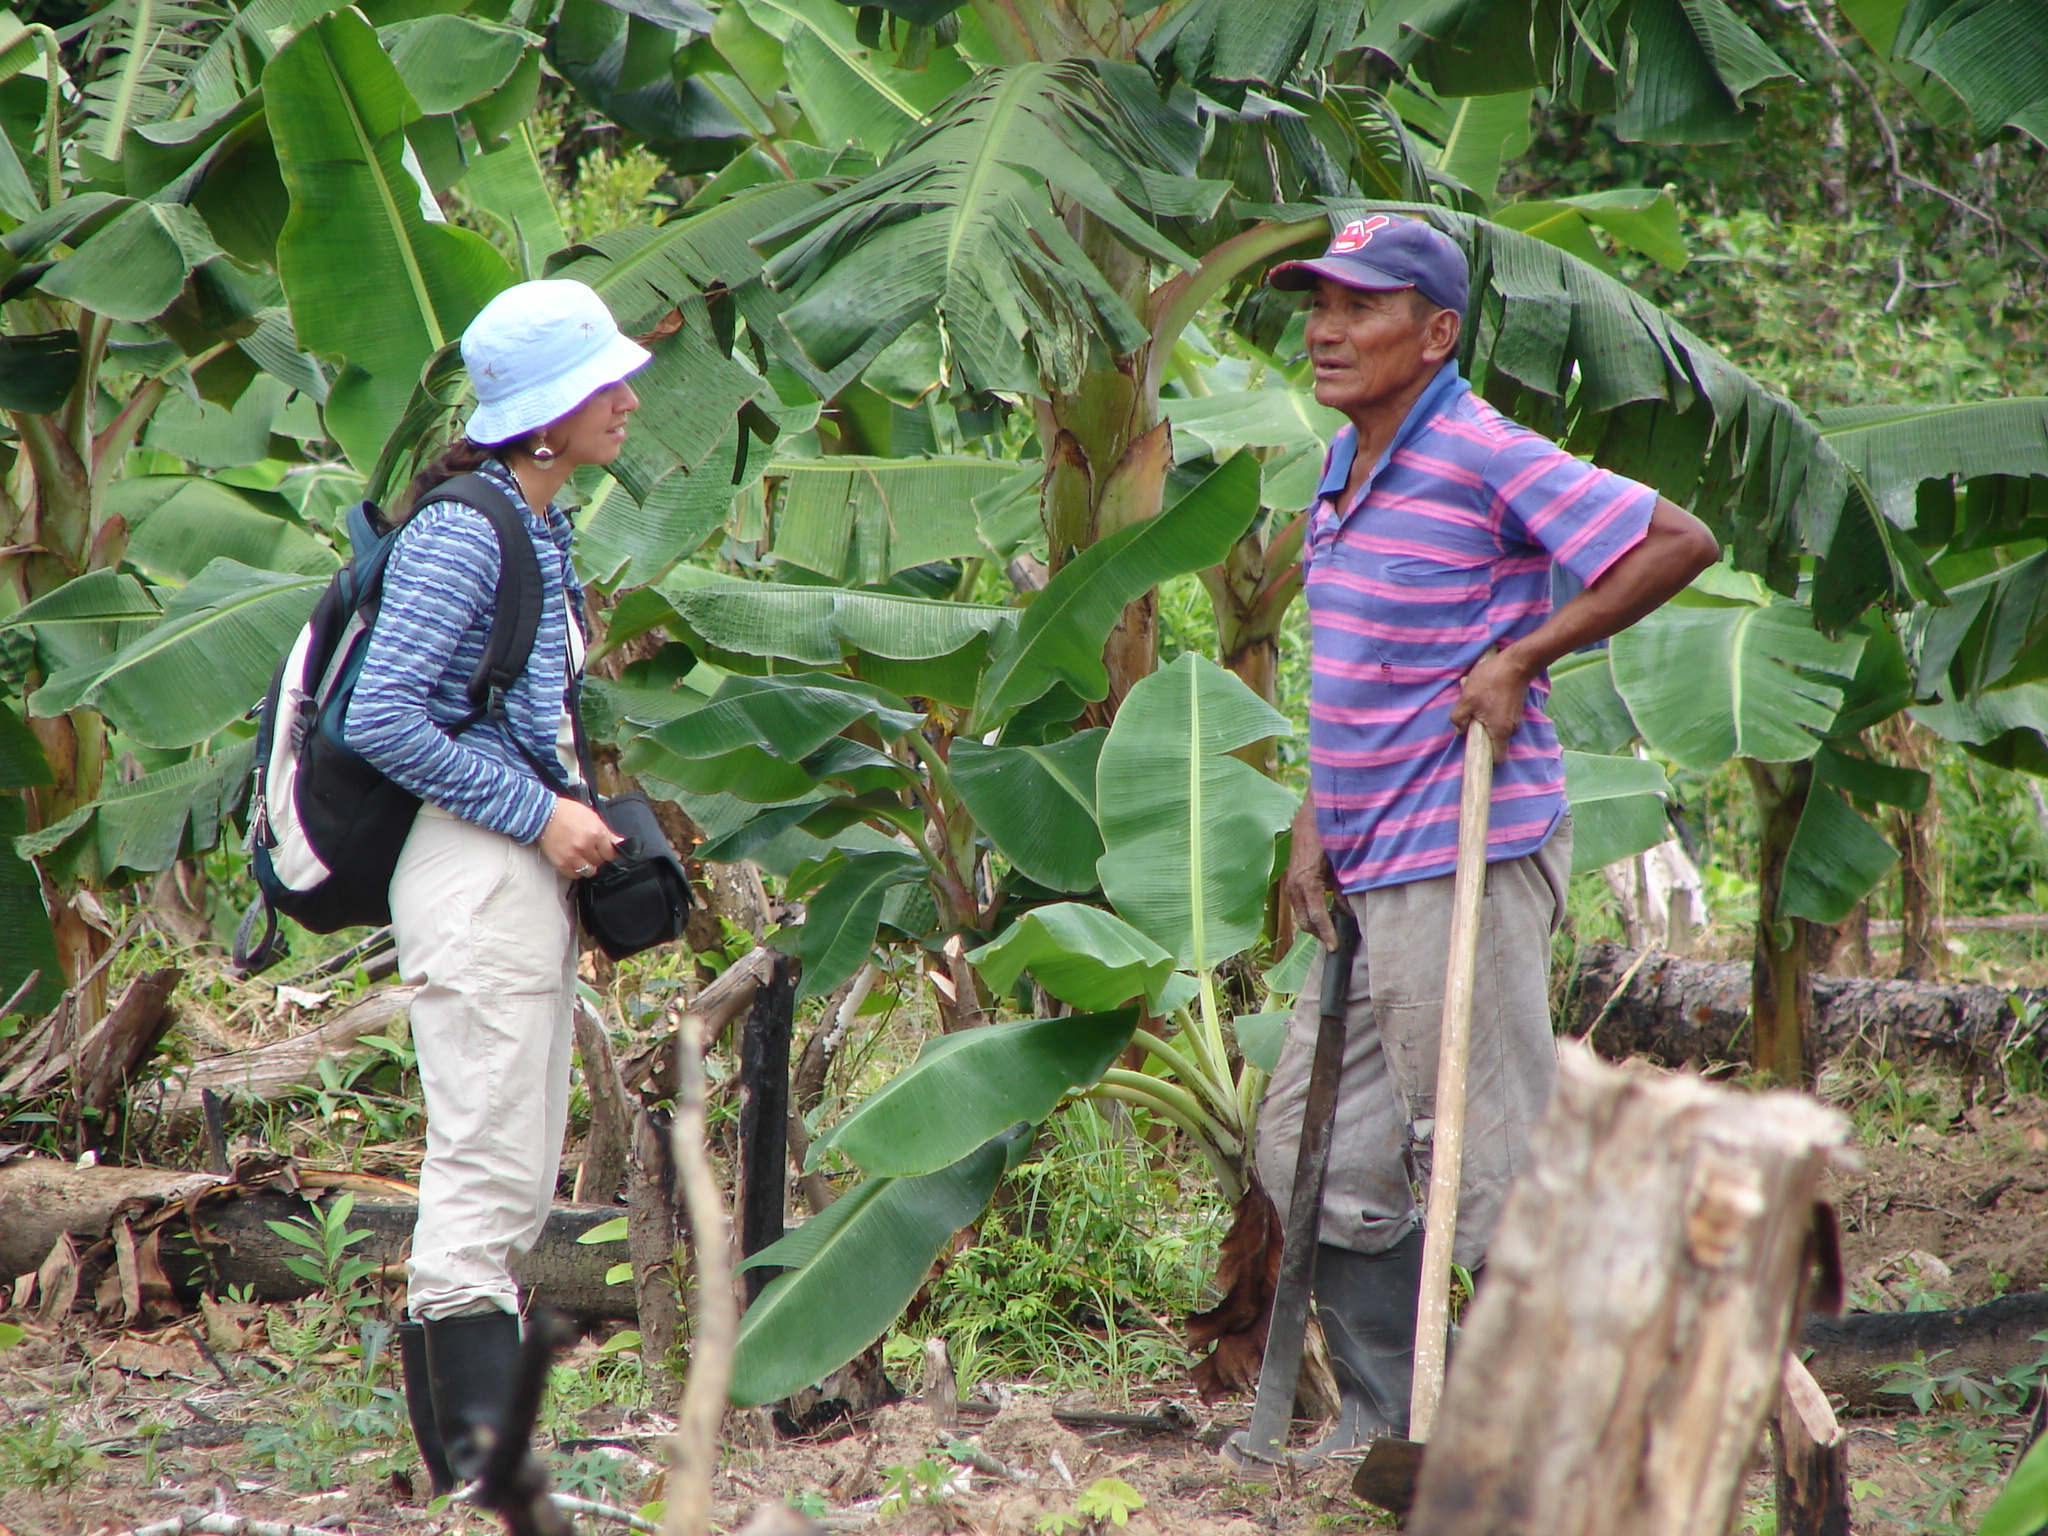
(484, 931)
(1386, 1099)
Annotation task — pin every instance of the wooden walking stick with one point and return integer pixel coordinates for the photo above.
(1387, 1475)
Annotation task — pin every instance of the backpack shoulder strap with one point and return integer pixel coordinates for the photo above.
(516, 619)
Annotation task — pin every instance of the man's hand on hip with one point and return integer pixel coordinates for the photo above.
(1308, 881)
(1496, 691)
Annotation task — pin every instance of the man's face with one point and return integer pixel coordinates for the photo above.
(1368, 348)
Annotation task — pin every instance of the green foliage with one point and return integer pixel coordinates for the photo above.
(1094, 1245)
(40, 1452)
(1188, 829)
(849, 1272)
(327, 1238)
(967, 1088)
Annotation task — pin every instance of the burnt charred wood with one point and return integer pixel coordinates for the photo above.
(764, 1116)
(1851, 1352)
(1696, 1012)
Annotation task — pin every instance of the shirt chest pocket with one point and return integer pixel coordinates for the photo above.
(1418, 607)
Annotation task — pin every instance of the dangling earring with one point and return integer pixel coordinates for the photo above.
(541, 453)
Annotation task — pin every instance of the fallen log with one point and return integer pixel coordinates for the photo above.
(269, 1072)
(1696, 1012)
(42, 1200)
(1850, 1353)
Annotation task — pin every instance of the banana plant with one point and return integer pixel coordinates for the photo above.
(187, 323)
(1733, 671)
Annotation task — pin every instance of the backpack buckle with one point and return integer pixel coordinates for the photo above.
(494, 702)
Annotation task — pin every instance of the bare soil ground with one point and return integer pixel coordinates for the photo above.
(236, 1409)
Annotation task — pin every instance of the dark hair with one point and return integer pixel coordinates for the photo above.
(458, 458)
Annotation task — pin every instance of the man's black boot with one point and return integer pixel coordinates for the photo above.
(472, 1362)
(1366, 1303)
(419, 1407)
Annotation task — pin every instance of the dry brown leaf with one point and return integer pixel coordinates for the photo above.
(140, 1356)
(1247, 1273)
(57, 1279)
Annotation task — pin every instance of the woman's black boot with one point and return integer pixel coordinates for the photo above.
(419, 1407)
(472, 1362)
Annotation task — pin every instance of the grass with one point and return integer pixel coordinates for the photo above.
(1081, 1271)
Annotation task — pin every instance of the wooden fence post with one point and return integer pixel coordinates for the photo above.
(1629, 1335)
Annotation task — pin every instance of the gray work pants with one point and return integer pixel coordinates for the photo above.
(1386, 1100)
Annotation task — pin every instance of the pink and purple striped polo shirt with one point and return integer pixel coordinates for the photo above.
(1444, 554)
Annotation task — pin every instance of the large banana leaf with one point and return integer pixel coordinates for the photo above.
(853, 1268)
(1835, 860)
(966, 1087)
(961, 223)
(1617, 808)
(1894, 448)
(1188, 829)
(448, 61)
(1644, 219)
(818, 626)
(507, 184)
(148, 824)
(1707, 683)
(205, 664)
(2008, 727)
(338, 112)
(851, 93)
(1036, 804)
(1695, 61)
(629, 542)
(1478, 134)
(1275, 417)
(1689, 63)
(1239, 43)
(133, 268)
(23, 763)
(1061, 636)
(27, 945)
(643, 272)
(213, 436)
(1988, 52)
(183, 523)
(841, 916)
(861, 520)
(1992, 633)
(689, 395)
(1589, 715)
(790, 718)
(1084, 956)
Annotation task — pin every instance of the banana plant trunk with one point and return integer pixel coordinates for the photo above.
(1781, 973)
(52, 516)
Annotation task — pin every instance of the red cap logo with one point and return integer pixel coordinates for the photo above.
(1355, 234)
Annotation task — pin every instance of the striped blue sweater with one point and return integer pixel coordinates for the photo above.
(439, 592)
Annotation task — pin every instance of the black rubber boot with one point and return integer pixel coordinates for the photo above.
(472, 1362)
(419, 1407)
(1366, 1303)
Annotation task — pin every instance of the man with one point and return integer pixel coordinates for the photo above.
(1428, 565)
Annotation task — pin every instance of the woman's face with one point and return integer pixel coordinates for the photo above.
(595, 432)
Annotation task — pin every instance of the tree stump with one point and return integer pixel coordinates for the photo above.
(1812, 1459)
(1628, 1342)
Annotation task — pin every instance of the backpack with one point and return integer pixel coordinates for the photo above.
(326, 828)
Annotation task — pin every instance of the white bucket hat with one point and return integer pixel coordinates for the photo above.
(536, 352)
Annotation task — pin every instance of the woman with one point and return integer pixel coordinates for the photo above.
(480, 900)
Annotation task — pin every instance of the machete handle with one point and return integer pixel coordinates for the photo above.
(1337, 962)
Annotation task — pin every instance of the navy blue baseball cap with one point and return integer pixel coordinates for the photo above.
(1383, 253)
